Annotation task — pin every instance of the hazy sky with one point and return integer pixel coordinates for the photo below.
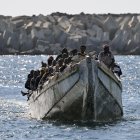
(30, 7)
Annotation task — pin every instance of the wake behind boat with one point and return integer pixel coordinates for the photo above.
(86, 91)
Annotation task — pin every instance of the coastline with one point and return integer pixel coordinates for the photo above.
(40, 34)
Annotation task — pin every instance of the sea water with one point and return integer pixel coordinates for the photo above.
(16, 124)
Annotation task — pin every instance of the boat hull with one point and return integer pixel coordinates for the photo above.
(87, 91)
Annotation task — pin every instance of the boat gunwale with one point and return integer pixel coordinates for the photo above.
(110, 74)
(50, 85)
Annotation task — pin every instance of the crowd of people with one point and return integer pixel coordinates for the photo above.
(62, 61)
(53, 65)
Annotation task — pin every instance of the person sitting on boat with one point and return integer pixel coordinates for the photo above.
(82, 50)
(116, 69)
(43, 65)
(33, 80)
(69, 60)
(64, 65)
(73, 52)
(54, 63)
(42, 71)
(59, 65)
(51, 71)
(80, 55)
(64, 55)
(106, 56)
(50, 60)
(27, 83)
(67, 64)
(44, 77)
(64, 50)
(29, 77)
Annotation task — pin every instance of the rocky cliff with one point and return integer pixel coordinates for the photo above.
(49, 34)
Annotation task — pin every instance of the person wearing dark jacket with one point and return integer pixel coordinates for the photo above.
(39, 78)
(50, 61)
(29, 77)
(116, 69)
(27, 83)
(33, 80)
(82, 50)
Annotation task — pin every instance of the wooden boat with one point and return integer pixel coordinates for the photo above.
(88, 90)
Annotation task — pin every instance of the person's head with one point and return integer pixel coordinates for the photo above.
(37, 72)
(50, 70)
(60, 62)
(43, 64)
(32, 72)
(64, 50)
(64, 55)
(50, 60)
(106, 48)
(54, 62)
(69, 59)
(83, 48)
(66, 61)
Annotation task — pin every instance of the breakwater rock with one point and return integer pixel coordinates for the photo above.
(49, 34)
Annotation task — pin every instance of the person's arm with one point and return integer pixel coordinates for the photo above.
(100, 56)
(112, 57)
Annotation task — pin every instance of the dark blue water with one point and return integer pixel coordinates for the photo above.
(15, 123)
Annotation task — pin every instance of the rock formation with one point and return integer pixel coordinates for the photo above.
(49, 34)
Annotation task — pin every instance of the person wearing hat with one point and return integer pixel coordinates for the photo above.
(106, 56)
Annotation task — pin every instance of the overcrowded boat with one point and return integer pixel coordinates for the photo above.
(85, 90)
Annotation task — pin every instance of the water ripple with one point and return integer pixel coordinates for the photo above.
(16, 123)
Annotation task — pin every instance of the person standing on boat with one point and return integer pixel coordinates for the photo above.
(106, 56)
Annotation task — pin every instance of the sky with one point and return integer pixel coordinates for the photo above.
(46, 7)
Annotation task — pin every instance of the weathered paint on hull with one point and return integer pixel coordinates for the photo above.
(88, 92)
